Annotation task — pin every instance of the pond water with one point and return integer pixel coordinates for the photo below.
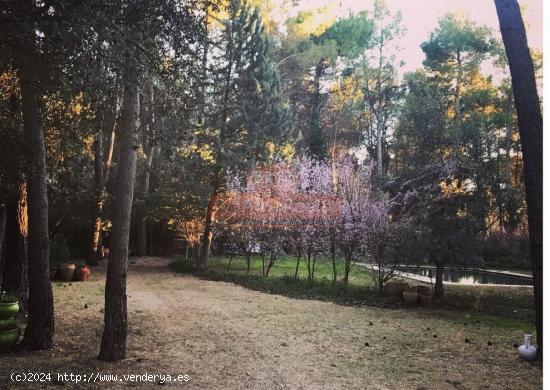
(470, 276)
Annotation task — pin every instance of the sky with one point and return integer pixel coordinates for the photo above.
(420, 17)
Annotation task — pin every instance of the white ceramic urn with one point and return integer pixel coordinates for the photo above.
(527, 351)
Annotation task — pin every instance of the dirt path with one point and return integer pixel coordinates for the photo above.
(226, 337)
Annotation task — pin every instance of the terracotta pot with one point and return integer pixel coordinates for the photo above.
(424, 290)
(8, 310)
(395, 289)
(425, 299)
(410, 296)
(81, 274)
(66, 272)
(8, 339)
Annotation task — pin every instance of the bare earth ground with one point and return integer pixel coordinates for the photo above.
(226, 337)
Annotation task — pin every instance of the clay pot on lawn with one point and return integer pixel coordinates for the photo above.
(425, 295)
(395, 289)
(423, 290)
(410, 296)
(66, 272)
(81, 274)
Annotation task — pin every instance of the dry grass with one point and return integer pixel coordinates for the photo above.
(228, 337)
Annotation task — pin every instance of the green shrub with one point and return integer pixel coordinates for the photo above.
(59, 251)
(183, 265)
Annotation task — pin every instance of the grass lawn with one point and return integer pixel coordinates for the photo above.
(251, 336)
(509, 306)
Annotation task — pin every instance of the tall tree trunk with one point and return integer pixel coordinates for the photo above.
(458, 106)
(530, 128)
(15, 275)
(142, 223)
(102, 168)
(508, 144)
(40, 324)
(201, 120)
(379, 139)
(149, 150)
(317, 146)
(207, 235)
(94, 255)
(113, 342)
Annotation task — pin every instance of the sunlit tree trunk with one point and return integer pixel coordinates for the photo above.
(98, 201)
(15, 275)
(102, 168)
(530, 128)
(3, 218)
(207, 234)
(113, 342)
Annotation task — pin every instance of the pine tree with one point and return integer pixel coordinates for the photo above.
(246, 108)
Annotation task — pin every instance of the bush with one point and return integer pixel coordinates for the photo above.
(502, 251)
(59, 250)
(181, 264)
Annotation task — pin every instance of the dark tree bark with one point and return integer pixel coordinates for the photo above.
(230, 260)
(3, 218)
(149, 148)
(95, 255)
(40, 324)
(113, 342)
(317, 144)
(247, 256)
(142, 222)
(15, 276)
(530, 128)
(333, 258)
(207, 235)
(201, 120)
(271, 263)
(297, 264)
(347, 265)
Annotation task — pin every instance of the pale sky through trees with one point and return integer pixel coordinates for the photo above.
(420, 17)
